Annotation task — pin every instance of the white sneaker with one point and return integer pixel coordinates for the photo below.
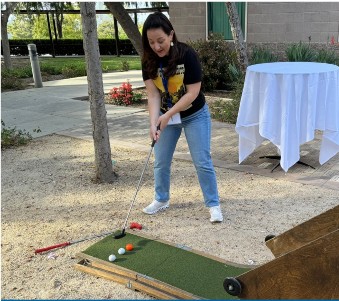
(155, 206)
(216, 215)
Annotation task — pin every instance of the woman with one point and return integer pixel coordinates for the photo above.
(172, 75)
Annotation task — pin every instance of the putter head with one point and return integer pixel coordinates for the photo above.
(120, 235)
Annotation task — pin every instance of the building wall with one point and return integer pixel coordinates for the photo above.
(283, 22)
(273, 24)
(188, 20)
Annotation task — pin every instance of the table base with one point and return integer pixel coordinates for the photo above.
(279, 157)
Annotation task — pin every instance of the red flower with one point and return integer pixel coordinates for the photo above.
(122, 95)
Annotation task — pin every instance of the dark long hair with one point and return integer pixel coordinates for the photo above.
(150, 59)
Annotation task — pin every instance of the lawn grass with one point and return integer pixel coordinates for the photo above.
(108, 63)
(68, 67)
(63, 65)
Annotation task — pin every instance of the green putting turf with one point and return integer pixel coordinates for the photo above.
(191, 272)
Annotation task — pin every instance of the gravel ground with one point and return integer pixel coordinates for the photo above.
(49, 197)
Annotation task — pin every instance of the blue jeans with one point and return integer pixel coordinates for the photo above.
(197, 128)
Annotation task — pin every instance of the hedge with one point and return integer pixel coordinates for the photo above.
(69, 47)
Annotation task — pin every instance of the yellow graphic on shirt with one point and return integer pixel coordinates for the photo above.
(176, 87)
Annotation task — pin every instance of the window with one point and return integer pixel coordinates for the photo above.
(218, 19)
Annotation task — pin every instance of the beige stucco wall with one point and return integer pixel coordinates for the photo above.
(267, 22)
(188, 20)
(292, 22)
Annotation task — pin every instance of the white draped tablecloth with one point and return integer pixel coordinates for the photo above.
(285, 102)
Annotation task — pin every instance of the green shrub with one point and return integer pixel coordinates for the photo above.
(262, 55)
(235, 74)
(215, 56)
(327, 56)
(70, 47)
(12, 137)
(11, 83)
(73, 71)
(301, 53)
(125, 65)
(11, 79)
(50, 69)
(22, 72)
(227, 111)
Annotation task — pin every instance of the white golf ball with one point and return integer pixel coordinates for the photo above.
(112, 257)
(121, 251)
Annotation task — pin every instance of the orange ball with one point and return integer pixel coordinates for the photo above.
(129, 247)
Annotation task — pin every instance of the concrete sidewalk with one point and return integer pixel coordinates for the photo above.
(59, 108)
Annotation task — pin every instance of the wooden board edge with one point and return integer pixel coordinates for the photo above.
(276, 251)
(109, 266)
(129, 283)
(118, 271)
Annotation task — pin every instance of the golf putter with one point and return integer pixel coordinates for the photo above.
(122, 234)
(68, 243)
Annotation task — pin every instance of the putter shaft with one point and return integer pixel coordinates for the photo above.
(138, 187)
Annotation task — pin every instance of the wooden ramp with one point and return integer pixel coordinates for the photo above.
(304, 233)
(306, 264)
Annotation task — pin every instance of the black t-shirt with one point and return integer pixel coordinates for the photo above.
(188, 72)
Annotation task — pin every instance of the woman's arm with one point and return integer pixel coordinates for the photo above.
(183, 103)
(153, 107)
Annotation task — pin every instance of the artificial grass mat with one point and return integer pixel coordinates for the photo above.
(174, 265)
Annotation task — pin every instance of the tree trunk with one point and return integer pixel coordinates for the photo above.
(4, 34)
(54, 27)
(103, 162)
(238, 36)
(59, 21)
(116, 36)
(50, 34)
(131, 30)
